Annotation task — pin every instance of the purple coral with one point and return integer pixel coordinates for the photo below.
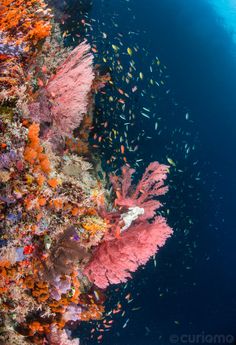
(58, 337)
(72, 313)
(59, 287)
(7, 159)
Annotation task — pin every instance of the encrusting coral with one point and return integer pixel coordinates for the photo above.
(63, 236)
(23, 27)
(25, 22)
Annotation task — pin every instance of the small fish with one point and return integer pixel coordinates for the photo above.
(120, 91)
(145, 115)
(115, 48)
(169, 160)
(120, 100)
(125, 324)
(96, 295)
(141, 75)
(129, 51)
(155, 263)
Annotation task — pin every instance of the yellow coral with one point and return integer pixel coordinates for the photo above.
(94, 224)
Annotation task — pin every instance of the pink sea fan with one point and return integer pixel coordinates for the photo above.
(114, 260)
(69, 89)
(122, 253)
(143, 195)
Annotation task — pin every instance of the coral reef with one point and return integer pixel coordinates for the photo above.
(63, 235)
(25, 22)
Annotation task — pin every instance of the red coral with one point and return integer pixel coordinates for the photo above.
(151, 185)
(69, 89)
(115, 259)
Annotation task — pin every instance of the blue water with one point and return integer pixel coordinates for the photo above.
(192, 288)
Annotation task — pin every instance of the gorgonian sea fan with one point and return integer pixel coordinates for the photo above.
(115, 258)
(69, 89)
(143, 195)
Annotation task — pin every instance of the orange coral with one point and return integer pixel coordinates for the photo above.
(33, 153)
(25, 22)
(40, 291)
(57, 203)
(94, 312)
(75, 211)
(11, 77)
(33, 135)
(80, 145)
(5, 263)
(30, 155)
(40, 180)
(77, 291)
(35, 326)
(42, 201)
(9, 274)
(28, 282)
(53, 182)
(45, 165)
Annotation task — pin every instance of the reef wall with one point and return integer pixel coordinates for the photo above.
(65, 236)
